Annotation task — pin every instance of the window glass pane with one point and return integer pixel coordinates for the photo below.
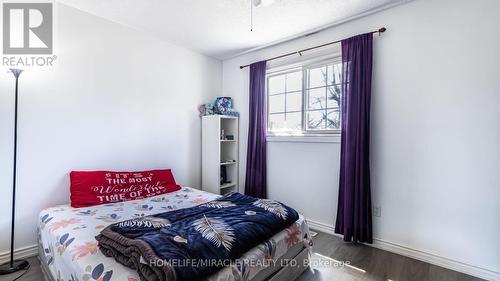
(277, 103)
(317, 77)
(334, 74)
(294, 102)
(276, 122)
(333, 95)
(316, 120)
(333, 119)
(294, 81)
(319, 97)
(285, 122)
(276, 84)
(316, 98)
(294, 121)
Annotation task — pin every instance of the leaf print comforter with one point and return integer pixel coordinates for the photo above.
(192, 243)
(69, 249)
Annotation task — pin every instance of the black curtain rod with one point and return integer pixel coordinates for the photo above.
(381, 30)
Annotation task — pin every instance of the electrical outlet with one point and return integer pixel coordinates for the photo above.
(377, 211)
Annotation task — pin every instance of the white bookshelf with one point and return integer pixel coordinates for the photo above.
(218, 153)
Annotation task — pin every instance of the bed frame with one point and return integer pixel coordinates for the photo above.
(282, 270)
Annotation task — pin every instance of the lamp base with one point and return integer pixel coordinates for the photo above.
(17, 265)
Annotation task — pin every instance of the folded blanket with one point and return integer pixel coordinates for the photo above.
(192, 243)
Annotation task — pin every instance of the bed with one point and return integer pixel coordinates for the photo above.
(68, 249)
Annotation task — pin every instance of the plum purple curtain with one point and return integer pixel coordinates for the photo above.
(354, 217)
(256, 173)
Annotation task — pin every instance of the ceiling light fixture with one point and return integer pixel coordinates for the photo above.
(258, 3)
(265, 3)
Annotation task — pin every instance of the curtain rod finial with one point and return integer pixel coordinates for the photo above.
(383, 29)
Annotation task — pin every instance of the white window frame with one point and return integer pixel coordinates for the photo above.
(305, 135)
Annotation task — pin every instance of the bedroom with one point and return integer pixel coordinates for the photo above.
(123, 83)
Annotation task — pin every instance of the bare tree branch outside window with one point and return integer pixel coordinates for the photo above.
(321, 106)
(329, 115)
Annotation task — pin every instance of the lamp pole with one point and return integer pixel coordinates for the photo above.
(14, 265)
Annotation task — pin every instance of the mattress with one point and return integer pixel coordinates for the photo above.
(66, 237)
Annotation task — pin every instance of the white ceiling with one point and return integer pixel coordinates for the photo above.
(221, 28)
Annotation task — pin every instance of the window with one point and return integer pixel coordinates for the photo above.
(305, 100)
(285, 101)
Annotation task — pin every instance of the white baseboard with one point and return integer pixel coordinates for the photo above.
(21, 253)
(434, 259)
(325, 228)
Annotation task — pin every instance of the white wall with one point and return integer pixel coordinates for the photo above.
(435, 113)
(115, 99)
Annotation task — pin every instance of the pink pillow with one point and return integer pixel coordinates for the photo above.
(89, 188)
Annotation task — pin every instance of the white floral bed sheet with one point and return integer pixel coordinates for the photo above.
(66, 236)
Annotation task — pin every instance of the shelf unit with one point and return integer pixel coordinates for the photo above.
(218, 153)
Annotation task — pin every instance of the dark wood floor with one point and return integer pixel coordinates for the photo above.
(364, 263)
(33, 274)
(367, 264)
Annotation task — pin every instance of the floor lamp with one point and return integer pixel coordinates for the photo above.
(14, 265)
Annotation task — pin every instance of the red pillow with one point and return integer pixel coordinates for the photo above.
(101, 187)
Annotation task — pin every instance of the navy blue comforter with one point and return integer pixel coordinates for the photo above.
(192, 243)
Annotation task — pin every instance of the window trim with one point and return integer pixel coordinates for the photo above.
(310, 138)
(305, 135)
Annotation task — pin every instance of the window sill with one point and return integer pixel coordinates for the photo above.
(317, 138)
